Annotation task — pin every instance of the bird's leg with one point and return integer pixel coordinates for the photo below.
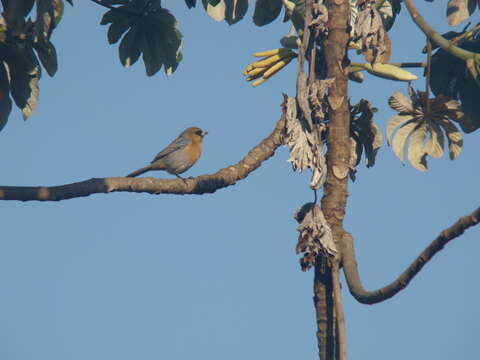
(183, 179)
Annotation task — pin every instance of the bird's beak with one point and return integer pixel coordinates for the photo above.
(204, 133)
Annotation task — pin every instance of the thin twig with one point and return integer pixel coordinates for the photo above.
(371, 297)
(445, 44)
(427, 76)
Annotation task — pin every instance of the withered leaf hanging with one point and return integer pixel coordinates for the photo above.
(366, 135)
(370, 31)
(315, 236)
(426, 129)
(306, 146)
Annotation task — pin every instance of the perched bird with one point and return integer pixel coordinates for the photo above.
(179, 156)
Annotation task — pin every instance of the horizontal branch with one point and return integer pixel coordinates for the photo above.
(372, 297)
(200, 185)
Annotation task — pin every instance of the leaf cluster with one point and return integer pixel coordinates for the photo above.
(146, 29)
(24, 45)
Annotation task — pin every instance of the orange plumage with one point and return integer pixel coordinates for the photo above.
(179, 156)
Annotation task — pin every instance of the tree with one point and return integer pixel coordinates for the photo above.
(207, 182)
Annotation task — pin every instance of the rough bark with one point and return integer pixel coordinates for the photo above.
(371, 297)
(200, 185)
(338, 155)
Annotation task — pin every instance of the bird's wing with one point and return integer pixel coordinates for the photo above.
(176, 144)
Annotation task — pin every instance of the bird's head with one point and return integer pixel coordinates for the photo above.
(194, 133)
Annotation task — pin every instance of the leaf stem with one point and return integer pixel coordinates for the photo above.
(427, 76)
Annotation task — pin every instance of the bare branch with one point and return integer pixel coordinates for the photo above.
(200, 185)
(337, 297)
(371, 297)
(445, 44)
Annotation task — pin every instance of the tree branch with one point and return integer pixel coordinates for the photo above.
(371, 297)
(445, 44)
(200, 185)
(339, 314)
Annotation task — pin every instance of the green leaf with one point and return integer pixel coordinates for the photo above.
(153, 56)
(230, 10)
(25, 73)
(154, 34)
(47, 55)
(119, 13)
(191, 3)
(388, 12)
(49, 14)
(450, 77)
(235, 10)
(119, 27)
(163, 41)
(115, 2)
(5, 101)
(18, 8)
(131, 46)
(266, 11)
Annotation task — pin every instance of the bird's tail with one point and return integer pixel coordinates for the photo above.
(139, 171)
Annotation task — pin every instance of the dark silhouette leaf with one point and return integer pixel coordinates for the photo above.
(190, 3)
(235, 10)
(131, 46)
(5, 101)
(266, 11)
(119, 27)
(47, 55)
(450, 77)
(150, 30)
(25, 73)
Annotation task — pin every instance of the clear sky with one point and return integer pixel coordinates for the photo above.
(135, 276)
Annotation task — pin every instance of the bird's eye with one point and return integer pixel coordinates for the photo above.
(199, 132)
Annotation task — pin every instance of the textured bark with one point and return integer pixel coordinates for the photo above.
(335, 189)
(371, 297)
(341, 335)
(324, 308)
(200, 185)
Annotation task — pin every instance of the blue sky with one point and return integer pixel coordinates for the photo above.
(123, 276)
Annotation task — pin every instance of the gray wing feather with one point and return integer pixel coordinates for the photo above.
(177, 144)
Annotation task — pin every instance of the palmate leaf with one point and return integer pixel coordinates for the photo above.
(434, 147)
(416, 151)
(454, 137)
(389, 11)
(399, 102)
(266, 11)
(147, 29)
(396, 121)
(232, 11)
(49, 14)
(15, 11)
(366, 135)
(450, 77)
(25, 73)
(460, 10)
(401, 137)
(47, 55)
(5, 101)
(191, 3)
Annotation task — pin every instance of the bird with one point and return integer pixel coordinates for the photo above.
(179, 156)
